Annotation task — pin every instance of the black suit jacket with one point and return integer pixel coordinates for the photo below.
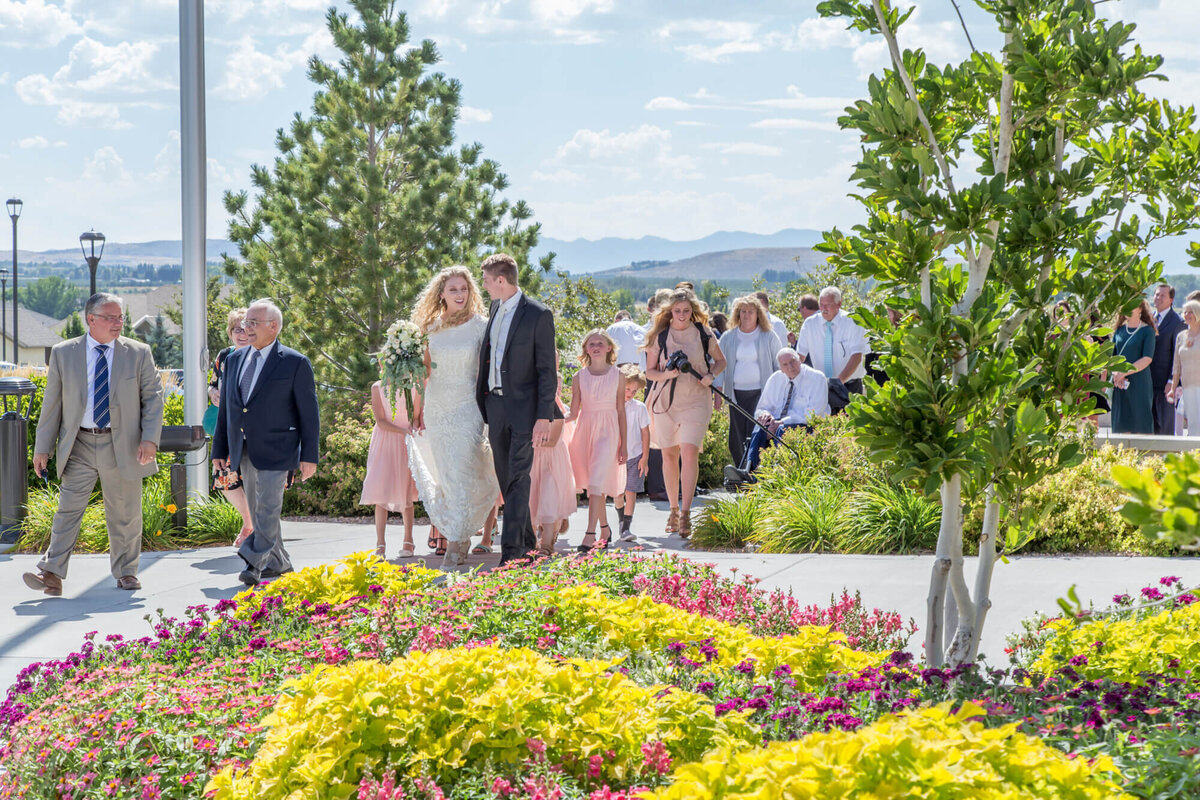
(1164, 349)
(528, 375)
(280, 423)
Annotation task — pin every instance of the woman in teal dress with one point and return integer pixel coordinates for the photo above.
(1133, 393)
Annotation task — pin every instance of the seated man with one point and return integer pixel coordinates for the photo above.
(792, 397)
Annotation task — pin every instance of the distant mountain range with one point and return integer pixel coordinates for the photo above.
(743, 264)
(609, 253)
(159, 253)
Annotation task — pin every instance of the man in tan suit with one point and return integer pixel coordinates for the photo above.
(103, 406)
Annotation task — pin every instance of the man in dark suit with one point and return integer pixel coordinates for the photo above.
(517, 383)
(1168, 325)
(269, 425)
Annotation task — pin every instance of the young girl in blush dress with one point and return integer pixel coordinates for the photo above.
(389, 484)
(598, 444)
(552, 498)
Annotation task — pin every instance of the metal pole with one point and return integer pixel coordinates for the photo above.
(16, 308)
(195, 292)
(93, 263)
(3, 320)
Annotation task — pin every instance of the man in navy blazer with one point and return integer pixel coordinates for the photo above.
(1167, 325)
(269, 425)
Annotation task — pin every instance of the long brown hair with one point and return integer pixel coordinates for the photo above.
(662, 317)
(1147, 317)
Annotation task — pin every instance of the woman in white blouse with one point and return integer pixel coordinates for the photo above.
(1184, 388)
(750, 349)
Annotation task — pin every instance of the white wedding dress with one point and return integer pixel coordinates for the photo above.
(451, 460)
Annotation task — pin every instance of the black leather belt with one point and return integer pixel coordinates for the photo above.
(96, 430)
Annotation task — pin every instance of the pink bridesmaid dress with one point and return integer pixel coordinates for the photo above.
(597, 436)
(389, 482)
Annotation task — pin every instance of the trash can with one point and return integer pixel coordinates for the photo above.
(17, 397)
(181, 439)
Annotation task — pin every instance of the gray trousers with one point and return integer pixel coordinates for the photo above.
(92, 458)
(264, 493)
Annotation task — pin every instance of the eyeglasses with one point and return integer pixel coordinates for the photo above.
(254, 323)
(238, 329)
(118, 318)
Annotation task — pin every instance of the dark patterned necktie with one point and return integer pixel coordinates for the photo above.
(248, 377)
(787, 401)
(100, 389)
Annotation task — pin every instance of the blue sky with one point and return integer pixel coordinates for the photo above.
(610, 117)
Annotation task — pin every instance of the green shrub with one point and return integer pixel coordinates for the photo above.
(888, 519)
(715, 453)
(726, 522)
(212, 521)
(830, 452)
(805, 520)
(337, 485)
(1085, 515)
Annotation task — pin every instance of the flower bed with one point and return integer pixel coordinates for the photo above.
(610, 676)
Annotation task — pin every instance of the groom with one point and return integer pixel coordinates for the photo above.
(515, 391)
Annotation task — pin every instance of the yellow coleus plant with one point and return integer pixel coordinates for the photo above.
(1166, 644)
(429, 714)
(932, 753)
(352, 576)
(638, 623)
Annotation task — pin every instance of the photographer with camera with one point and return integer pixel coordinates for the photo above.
(682, 358)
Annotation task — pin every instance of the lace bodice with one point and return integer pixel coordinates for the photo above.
(455, 355)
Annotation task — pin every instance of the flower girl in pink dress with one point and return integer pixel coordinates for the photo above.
(552, 497)
(598, 444)
(389, 484)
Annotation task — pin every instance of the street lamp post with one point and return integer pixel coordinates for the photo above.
(3, 317)
(87, 240)
(14, 205)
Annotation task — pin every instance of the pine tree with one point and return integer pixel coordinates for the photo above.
(368, 197)
(166, 347)
(74, 327)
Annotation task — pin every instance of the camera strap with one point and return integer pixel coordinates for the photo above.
(705, 337)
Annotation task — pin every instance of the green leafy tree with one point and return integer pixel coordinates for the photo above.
(1078, 172)
(368, 196)
(166, 347)
(54, 296)
(579, 306)
(74, 327)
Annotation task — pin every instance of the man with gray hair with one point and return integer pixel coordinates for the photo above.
(836, 346)
(792, 397)
(269, 426)
(102, 413)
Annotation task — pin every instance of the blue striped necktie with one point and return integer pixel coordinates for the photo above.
(100, 389)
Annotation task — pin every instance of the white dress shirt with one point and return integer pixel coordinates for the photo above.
(629, 337)
(500, 337)
(263, 353)
(848, 339)
(636, 418)
(810, 398)
(93, 358)
(779, 326)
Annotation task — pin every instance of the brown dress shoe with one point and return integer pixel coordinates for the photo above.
(46, 582)
(128, 583)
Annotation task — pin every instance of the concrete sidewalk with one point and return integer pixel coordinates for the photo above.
(34, 627)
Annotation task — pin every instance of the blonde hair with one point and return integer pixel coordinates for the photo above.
(236, 316)
(750, 301)
(1194, 307)
(1147, 317)
(610, 359)
(430, 305)
(633, 375)
(662, 317)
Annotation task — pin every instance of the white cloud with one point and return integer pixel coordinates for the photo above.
(647, 145)
(822, 33)
(34, 23)
(105, 166)
(251, 74)
(718, 39)
(469, 114)
(557, 176)
(774, 124)
(559, 12)
(744, 149)
(797, 100)
(668, 104)
(34, 143)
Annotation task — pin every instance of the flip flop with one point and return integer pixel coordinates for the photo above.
(481, 549)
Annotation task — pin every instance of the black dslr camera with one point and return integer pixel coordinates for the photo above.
(678, 361)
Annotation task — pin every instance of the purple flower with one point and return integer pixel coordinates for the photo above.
(257, 643)
(1077, 661)
(1122, 599)
(1170, 580)
(746, 667)
(1152, 594)
(900, 658)
(704, 687)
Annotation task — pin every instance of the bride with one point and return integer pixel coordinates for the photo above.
(449, 456)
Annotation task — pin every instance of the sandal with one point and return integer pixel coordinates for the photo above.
(602, 543)
(408, 550)
(482, 549)
(433, 538)
(381, 551)
(586, 546)
(441, 546)
(673, 521)
(685, 525)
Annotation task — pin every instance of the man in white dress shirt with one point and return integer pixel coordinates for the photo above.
(629, 337)
(792, 397)
(777, 325)
(834, 344)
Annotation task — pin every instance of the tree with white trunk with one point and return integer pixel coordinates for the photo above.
(1010, 201)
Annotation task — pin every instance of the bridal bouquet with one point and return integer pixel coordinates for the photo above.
(402, 358)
